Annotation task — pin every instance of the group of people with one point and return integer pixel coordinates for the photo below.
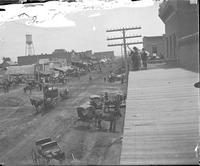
(138, 59)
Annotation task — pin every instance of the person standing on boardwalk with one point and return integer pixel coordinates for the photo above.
(135, 58)
(144, 58)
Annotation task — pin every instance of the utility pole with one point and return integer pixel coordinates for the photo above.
(124, 37)
(122, 56)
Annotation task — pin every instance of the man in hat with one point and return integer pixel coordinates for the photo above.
(135, 58)
(144, 58)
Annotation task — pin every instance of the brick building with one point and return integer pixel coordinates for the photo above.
(58, 54)
(181, 32)
(154, 45)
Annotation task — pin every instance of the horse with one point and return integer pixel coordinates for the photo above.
(110, 116)
(36, 103)
(28, 87)
(6, 85)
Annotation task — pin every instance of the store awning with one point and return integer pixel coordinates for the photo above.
(63, 69)
(20, 70)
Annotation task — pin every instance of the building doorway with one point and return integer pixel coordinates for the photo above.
(154, 51)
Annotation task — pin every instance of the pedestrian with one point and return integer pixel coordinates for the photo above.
(100, 69)
(6, 86)
(40, 86)
(90, 78)
(135, 58)
(104, 78)
(105, 97)
(122, 79)
(144, 58)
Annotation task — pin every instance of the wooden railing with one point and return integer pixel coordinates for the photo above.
(193, 38)
(156, 61)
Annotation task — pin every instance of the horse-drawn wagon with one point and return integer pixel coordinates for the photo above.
(49, 99)
(46, 150)
(86, 113)
(114, 77)
(50, 95)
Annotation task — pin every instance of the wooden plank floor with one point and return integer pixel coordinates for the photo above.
(161, 121)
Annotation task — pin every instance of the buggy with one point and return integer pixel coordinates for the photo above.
(45, 150)
(86, 113)
(50, 95)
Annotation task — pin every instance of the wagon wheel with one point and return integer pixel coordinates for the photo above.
(34, 157)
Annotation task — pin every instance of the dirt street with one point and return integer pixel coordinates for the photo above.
(20, 126)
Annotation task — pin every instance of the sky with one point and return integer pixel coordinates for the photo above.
(76, 28)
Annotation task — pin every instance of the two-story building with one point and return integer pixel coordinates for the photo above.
(181, 32)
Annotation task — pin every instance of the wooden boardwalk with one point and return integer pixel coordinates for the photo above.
(161, 121)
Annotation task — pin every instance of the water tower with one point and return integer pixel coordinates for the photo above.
(29, 50)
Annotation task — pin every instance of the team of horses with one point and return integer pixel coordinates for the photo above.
(110, 112)
(49, 98)
(96, 118)
(32, 85)
(6, 84)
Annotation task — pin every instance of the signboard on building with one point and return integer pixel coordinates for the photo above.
(43, 61)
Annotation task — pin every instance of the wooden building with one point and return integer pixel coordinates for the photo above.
(181, 32)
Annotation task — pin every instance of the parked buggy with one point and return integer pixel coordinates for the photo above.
(86, 113)
(45, 150)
